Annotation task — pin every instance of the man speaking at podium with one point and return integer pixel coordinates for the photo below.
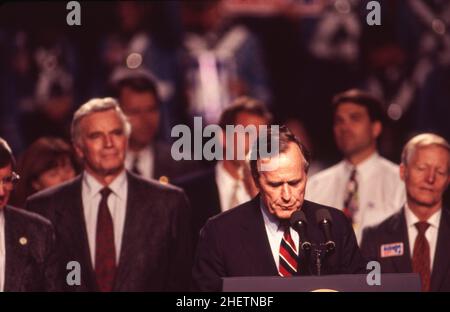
(256, 239)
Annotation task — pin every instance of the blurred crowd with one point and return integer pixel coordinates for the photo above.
(292, 55)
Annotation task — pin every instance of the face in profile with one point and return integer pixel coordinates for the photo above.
(426, 175)
(143, 114)
(62, 172)
(283, 189)
(103, 142)
(354, 132)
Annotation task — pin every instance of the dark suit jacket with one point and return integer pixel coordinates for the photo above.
(165, 165)
(30, 254)
(203, 194)
(235, 243)
(156, 245)
(393, 230)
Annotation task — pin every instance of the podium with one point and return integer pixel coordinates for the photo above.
(399, 282)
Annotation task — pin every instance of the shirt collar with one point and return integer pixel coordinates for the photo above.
(411, 218)
(364, 167)
(93, 187)
(270, 220)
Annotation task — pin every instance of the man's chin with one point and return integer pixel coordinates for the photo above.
(111, 171)
(426, 202)
(285, 214)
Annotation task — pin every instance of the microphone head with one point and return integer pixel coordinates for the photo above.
(324, 220)
(298, 223)
(323, 215)
(296, 217)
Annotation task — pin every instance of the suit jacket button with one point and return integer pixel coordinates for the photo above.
(163, 180)
(23, 241)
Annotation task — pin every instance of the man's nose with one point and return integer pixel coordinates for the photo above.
(431, 175)
(344, 126)
(2, 188)
(286, 192)
(108, 141)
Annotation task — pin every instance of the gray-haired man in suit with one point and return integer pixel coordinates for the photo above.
(127, 233)
(415, 239)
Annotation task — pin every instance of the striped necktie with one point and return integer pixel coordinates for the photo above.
(288, 255)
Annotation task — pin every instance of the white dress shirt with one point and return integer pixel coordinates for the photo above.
(145, 164)
(275, 234)
(431, 234)
(2, 250)
(117, 204)
(226, 183)
(381, 192)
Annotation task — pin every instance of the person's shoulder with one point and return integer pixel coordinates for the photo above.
(56, 191)
(146, 185)
(326, 174)
(235, 216)
(388, 166)
(388, 225)
(27, 219)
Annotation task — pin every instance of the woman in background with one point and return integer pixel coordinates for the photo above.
(47, 162)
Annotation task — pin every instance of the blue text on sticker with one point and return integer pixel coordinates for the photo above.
(392, 250)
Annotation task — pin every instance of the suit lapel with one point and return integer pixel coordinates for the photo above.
(442, 254)
(158, 163)
(258, 250)
(399, 233)
(72, 223)
(216, 196)
(16, 248)
(131, 232)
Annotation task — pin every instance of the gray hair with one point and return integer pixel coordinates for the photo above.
(420, 141)
(278, 140)
(94, 106)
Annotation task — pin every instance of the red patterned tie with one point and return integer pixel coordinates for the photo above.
(351, 196)
(421, 255)
(288, 255)
(105, 251)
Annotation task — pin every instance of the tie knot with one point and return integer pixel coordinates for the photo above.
(353, 174)
(105, 192)
(422, 227)
(284, 225)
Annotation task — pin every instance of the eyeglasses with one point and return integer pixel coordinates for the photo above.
(10, 181)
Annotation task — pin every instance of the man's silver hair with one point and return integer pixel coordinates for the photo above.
(94, 106)
(420, 141)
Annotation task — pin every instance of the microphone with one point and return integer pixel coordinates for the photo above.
(299, 224)
(324, 220)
